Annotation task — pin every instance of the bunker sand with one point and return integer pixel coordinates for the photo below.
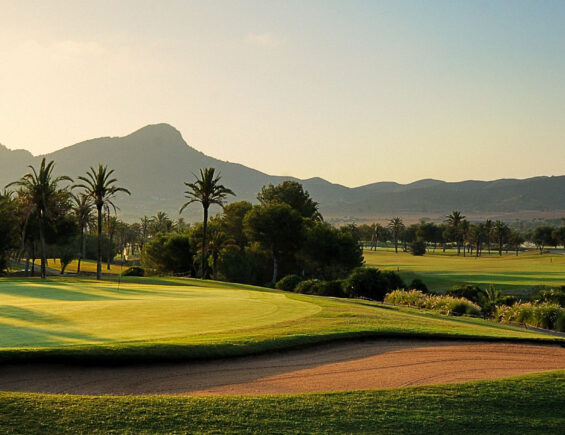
(332, 367)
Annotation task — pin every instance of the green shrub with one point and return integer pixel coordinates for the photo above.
(469, 292)
(542, 315)
(418, 284)
(412, 298)
(371, 283)
(134, 271)
(418, 247)
(393, 280)
(441, 304)
(560, 324)
(554, 296)
(288, 283)
(307, 287)
(329, 288)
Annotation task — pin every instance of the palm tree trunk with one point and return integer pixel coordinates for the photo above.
(204, 250)
(99, 243)
(275, 268)
(43, 248)
(81, 253)
(33, 258)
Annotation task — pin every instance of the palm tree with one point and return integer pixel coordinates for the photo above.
(501, 231)
(207, 191)
(42, 193)
(396, 226)
(454, 221)
(488, 233)
(83, 211)
(99, 186)
(162, 223)
(218, 241)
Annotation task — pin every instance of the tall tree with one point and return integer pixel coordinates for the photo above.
(101, 187)
(42, 190)
(454, 221)
(232, 221)
(488, 233)
(396, 226)
(501, 232)
(543, 236)
(477, 236)
(278, 228)
(82, 209)
(378, 233)
(206, 190)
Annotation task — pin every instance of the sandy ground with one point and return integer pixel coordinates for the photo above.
(335, 367)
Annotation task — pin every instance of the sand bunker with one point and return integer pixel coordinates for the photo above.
(332, 367)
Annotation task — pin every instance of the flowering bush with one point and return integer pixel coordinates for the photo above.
(441, 304)
(543, 315)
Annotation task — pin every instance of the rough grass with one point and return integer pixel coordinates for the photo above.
(150, 319)
(521, 405)
(520, 275)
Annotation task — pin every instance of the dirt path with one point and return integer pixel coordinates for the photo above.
(355, 366)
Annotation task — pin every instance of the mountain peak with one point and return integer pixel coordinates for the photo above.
(158, 132)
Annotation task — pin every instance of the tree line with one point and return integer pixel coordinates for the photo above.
(283, 234)
(468, 238)
(44, 214)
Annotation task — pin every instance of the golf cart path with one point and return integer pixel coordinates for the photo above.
(331, 367)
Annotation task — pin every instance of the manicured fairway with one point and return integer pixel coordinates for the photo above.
(531, 404)
(520, 275)
(155, 319)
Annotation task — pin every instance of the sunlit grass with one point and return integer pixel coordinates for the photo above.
(86, 266)
(187, 318)
(531, 404)
(520, 274)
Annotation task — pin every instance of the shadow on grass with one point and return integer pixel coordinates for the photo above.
(48, 290)
(25, 314)
(33, 337)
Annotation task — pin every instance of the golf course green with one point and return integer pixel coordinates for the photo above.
(182, 319)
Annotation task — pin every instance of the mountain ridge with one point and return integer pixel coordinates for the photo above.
(155, 161)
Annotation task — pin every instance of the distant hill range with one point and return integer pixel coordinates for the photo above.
(155, 161)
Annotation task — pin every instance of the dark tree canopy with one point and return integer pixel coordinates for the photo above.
(329, 253)
(277, 227)
(293, 194)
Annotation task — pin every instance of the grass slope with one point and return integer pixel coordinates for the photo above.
(520, 275)
(171, 319)
(526, 404)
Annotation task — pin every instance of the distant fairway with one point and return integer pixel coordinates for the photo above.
(86, 266)
(158, 318)
(521, 274)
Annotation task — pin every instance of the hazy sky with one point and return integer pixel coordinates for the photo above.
(354, 92)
